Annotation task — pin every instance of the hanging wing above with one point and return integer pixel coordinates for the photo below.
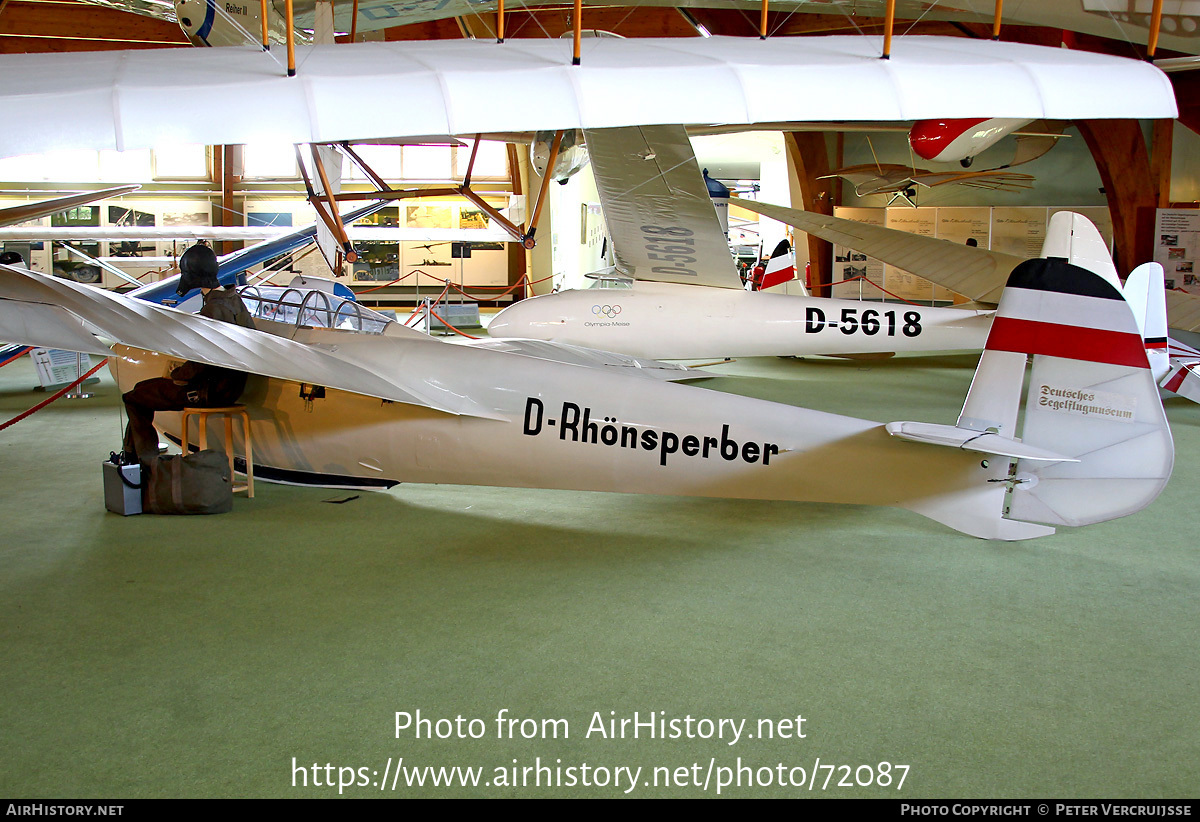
(117, 99)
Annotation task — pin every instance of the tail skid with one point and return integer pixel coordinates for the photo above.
(1094, 444)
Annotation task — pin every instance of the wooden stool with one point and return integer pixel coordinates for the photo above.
(228, 412)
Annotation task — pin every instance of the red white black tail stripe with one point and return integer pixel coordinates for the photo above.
(1056, 309)
(779, 268)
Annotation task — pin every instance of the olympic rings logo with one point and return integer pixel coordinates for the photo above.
(609, 311)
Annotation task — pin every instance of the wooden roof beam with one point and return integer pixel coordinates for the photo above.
(79, 21)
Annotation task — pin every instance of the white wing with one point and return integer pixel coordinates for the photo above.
(973, 272)
(130, 99)
(40, 310)
(657, 208)
(29, 211)
(1183, 311)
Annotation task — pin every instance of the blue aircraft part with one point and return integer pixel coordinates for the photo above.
(210, 17)
(233, 267)
(715, 187)
(11, 352)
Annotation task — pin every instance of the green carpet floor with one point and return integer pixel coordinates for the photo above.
(225, 656)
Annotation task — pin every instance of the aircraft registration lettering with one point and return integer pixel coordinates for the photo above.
(870, 322)
(670, 244)
(575, 424)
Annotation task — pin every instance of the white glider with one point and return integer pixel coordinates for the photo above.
(402, 407)
(686, 299)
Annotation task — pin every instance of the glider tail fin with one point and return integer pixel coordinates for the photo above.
(1145, 291)
(1094, 443)
(780, 268)
(1091, 397)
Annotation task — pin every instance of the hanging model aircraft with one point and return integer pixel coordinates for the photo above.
(955, 140)
(685, 299)
(949, 141)
(902, 181)
(402, 407)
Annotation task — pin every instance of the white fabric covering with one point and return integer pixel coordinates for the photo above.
(145, 98)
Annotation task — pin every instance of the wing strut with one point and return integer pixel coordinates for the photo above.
(338, 227)
(461, 190)
(291, 39)
(528, 240)
(266, 39)
(324, 204)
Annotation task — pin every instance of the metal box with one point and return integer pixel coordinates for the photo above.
(118, 496)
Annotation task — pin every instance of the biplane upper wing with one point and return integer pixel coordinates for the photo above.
(40, 310)
(117, 98)
(975, 273)
(659, 214)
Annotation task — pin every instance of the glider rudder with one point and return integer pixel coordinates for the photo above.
(1092, 395)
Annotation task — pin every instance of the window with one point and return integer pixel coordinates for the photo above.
(185, 162)
(88, 215)
(428, 162)
(490, 163)
(269, 161)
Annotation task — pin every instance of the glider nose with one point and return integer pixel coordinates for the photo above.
(535, 318)
(507, 323)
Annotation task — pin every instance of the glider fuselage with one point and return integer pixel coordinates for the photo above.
(672, 321)
(552, 425)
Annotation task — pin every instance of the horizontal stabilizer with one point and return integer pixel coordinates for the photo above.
(968, 440)
(1183, 380)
